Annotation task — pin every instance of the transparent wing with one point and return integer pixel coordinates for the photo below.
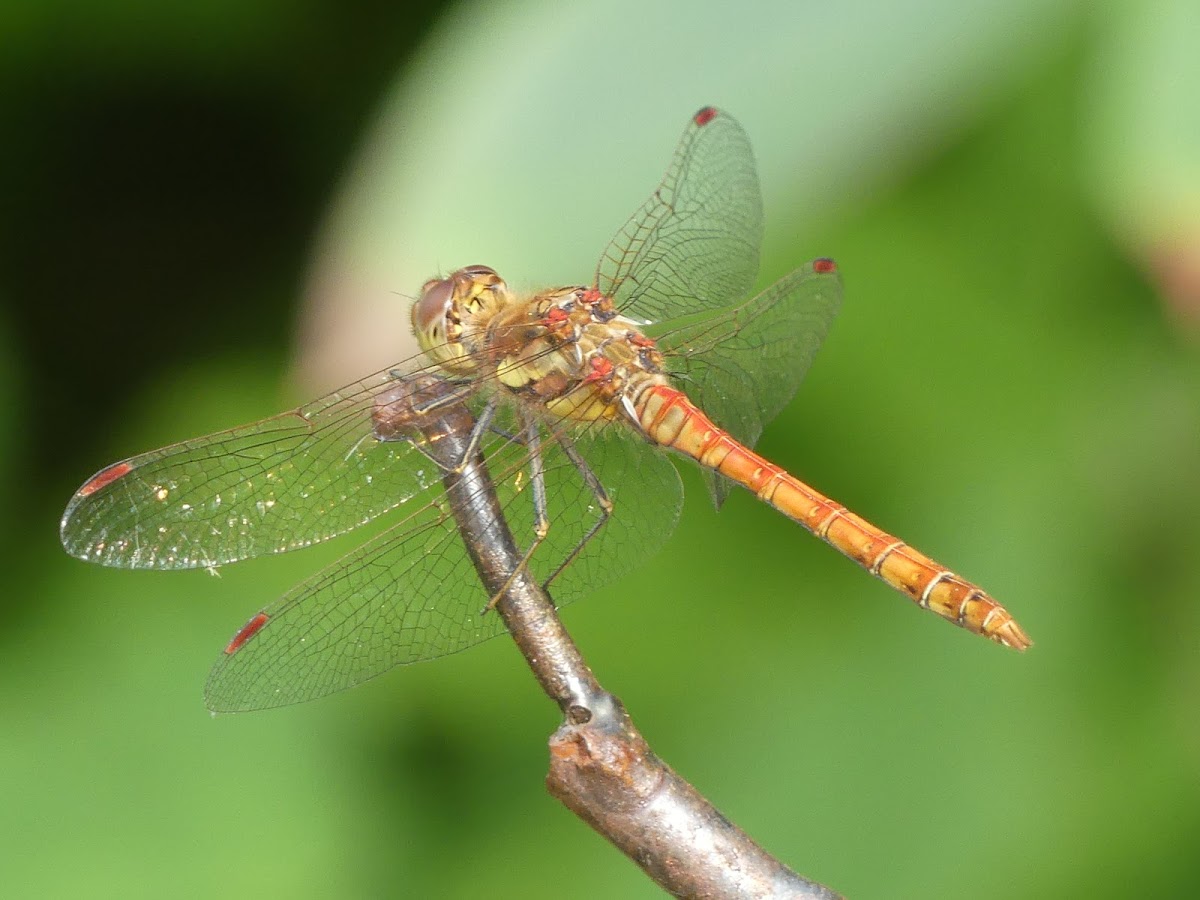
(412, 594)
(285, 482)
(647, 497)
(694, 244)
(742, 365)
(408, 594)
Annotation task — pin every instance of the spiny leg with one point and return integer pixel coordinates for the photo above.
(531, 439)
(483, 424)
(602, 500)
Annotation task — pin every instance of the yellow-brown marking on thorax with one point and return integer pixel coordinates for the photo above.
(565, 349)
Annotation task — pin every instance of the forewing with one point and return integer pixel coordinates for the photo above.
(694, 244)
(742, 365)
(412, 593)
(285, 482)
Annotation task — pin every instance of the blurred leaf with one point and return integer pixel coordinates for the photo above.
(998, 390)
(1145, 141)
(530, 165)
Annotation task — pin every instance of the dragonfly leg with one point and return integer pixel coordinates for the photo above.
(602, 500)
(483, 424)
(531, 439)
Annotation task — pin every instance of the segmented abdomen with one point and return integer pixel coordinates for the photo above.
(669, 418)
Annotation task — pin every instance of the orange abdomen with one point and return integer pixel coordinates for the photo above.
(669, 418)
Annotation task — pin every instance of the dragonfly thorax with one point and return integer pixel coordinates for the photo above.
(565, 349)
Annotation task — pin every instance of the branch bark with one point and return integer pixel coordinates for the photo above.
(601, 767)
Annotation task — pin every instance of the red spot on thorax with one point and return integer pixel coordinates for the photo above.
(601, 369)
(824, 266)
(704, 116)
(557, 323)
(640, 340)
(591, 295)
(247, 631)
(105, 478)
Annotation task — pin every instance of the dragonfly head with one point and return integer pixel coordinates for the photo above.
(446, 303)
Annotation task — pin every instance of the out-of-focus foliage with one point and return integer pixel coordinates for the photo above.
(1144, 142)
(1005, 388)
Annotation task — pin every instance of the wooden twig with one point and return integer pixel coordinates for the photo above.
(601, 768)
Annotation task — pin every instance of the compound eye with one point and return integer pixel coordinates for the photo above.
(430, 311)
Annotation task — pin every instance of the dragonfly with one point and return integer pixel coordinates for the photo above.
(579, 397)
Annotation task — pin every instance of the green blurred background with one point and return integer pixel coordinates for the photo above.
(209, 211)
